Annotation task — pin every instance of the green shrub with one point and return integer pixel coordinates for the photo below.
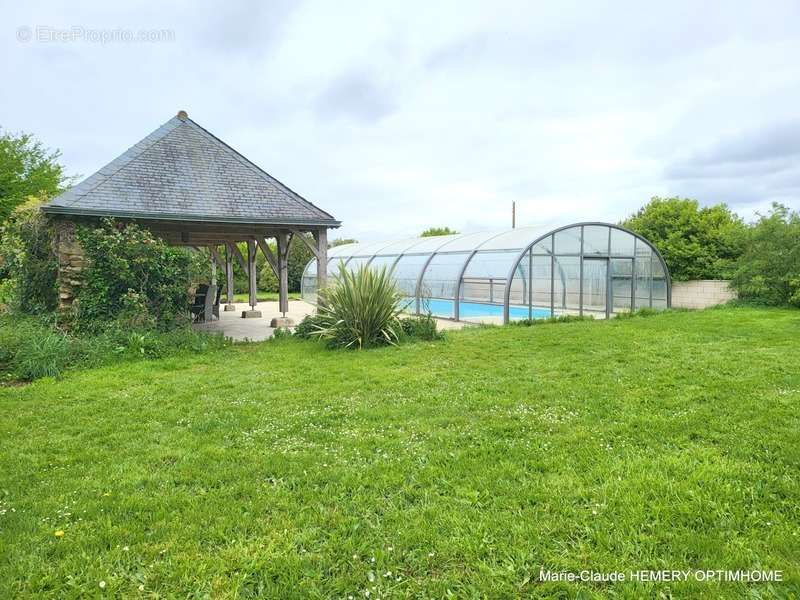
(134, 276)
(360, 309)
(696, 242)
(309, 327)
(642, 312)
(28, 263)
(44, 355)
(421, 327)
(281, 333)
(32, 347)
(558, 319)
(768, 272)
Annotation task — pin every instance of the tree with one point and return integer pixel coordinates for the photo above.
(27, 169)
(696, 243)
(342, 242)
(299, 256)
(437, 231)
(28, 264)
(768, 271)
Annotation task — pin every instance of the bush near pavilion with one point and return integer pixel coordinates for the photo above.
(133, 275)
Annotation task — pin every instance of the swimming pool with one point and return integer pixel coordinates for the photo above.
(444, 308)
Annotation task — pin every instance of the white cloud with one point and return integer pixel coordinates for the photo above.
(398, 117)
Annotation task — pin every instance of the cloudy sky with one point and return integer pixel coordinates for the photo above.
(399, 116)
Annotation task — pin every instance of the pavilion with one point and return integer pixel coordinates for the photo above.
(191, 189)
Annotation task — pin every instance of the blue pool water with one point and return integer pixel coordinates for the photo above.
(444, 308)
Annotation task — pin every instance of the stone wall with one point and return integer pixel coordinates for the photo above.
(701, 293)
(71, 261)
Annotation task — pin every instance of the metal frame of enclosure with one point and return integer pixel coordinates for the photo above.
(587, 268)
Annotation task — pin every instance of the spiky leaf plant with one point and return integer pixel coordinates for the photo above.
(360, 309)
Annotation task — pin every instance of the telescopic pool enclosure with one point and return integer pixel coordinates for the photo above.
(526, 273)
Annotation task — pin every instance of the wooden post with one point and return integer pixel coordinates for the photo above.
(251, 272)
(321, 237)
(283, 272)
(229, 275)
(213, 265)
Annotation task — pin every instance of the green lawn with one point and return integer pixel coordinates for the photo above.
(459, 467)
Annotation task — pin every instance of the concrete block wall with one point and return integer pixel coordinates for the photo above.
(701, 293)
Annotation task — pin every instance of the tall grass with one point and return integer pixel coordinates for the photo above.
(32, 347)
(360, 309)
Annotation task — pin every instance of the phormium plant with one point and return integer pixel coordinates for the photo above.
(360, 309)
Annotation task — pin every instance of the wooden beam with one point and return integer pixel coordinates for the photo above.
(251, 272)
(229, 274)
(215, 253)
(307, 242)
(321, 237)
(265, 249)
(283, 272)
(238, 256)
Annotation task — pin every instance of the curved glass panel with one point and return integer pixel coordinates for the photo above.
(643, 281)
(622, 243)
(367, 249)
(468, 242)
(541, 285)
(545, 246)
(343, 250)
(595, 240)
(431, 244)
(568, 241)
(485, 277)
(400, 246)
(567, 286)
(659, 283)
(333, 265)
(406, 273)
(382, 261)
(440, 280)
(514, 239)
(354, 263)
(308, 282)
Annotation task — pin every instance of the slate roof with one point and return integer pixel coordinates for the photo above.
(182, 172)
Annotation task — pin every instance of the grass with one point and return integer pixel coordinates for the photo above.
(460, 467)
(260, 296)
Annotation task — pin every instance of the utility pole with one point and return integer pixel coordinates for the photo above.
(513, 214)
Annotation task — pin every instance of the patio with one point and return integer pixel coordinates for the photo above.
(231, 324)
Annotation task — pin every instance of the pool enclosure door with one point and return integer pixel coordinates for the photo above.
(607, 285)
(621, 284)
(595, 285)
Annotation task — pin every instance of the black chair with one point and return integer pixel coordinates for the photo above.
(198, 307)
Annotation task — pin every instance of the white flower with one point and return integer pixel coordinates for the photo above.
(102, 585)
